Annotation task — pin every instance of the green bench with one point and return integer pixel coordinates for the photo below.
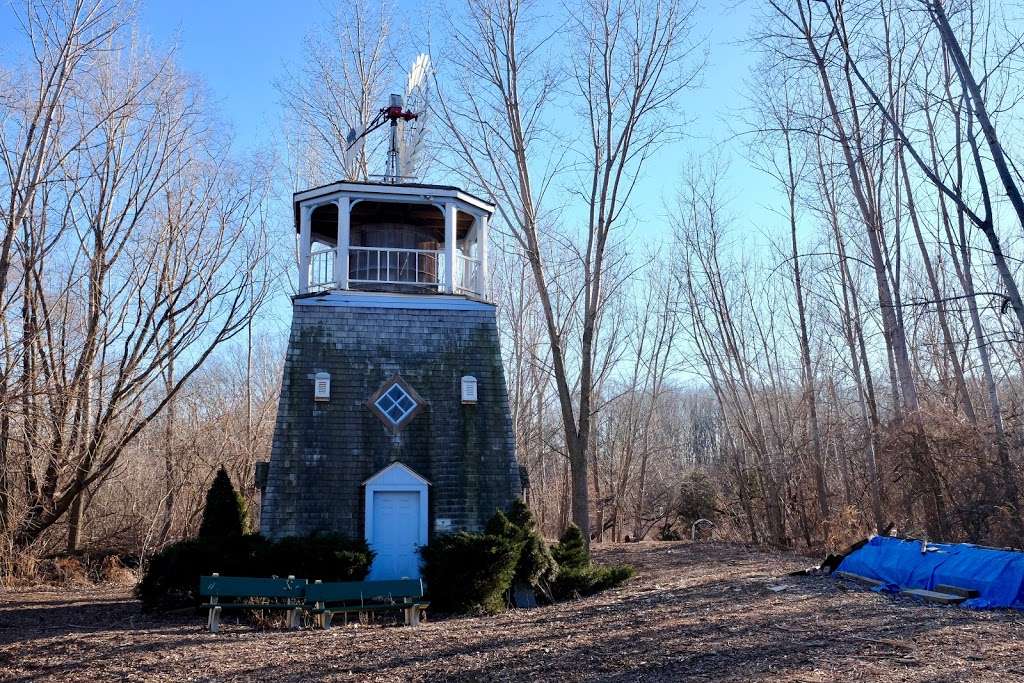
(324, 600)
(288, 595)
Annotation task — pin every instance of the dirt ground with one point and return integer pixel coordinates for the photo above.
(694, 612)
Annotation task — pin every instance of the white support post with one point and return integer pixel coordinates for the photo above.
(341, 255)
(483, 275)
(305, 238)
(449, 247)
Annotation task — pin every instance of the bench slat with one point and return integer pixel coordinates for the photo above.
(364, 591)
(239, 586)
(372, 608)
(250, 605)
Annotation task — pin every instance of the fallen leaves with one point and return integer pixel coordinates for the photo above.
(694, 612)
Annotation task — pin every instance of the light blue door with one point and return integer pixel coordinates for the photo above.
(396, 524)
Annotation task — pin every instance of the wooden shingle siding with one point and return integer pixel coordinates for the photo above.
(323, 451)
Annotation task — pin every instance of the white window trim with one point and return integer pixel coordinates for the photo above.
(406, 412)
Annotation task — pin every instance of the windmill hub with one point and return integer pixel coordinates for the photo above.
(395, 111)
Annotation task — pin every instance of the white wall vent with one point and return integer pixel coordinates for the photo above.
(322, 387)
(469, 389)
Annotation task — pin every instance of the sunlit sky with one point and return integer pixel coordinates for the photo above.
(238, 49)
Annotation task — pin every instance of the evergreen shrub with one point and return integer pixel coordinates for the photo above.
(327, 557)
(469, 572)
(571, 552)
(571, 583)
(226, 513)
(171, 578)
(535, 567)
(577, 575)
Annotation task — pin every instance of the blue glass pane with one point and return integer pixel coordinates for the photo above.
(396, 392)
(405, 403)
(395, 413)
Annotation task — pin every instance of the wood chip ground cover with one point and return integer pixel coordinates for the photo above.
(701, 612)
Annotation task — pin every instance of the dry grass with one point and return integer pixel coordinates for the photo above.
(695, 612)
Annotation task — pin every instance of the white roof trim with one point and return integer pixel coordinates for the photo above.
(371, 190)
(359, 299)
(397, 465)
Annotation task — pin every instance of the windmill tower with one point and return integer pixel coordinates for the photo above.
(393, 421)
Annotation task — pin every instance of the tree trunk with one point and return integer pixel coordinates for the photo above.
(924, 466)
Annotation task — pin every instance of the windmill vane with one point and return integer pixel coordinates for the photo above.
(407, 128)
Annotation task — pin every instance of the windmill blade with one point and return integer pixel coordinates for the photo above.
(417, 78)
(410, 152)
(417, 95)
(354, 143)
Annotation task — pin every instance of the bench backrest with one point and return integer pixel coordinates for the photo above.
(364, 591)
(239, 586)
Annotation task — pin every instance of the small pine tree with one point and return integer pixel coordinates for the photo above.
(226, 513)
(520, 515)
(577, 576)
(535, 563)
(571, 551)
(500, 525)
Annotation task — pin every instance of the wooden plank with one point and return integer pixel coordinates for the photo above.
(933, 596)
(364, 591)
(334, 591)
(850, 576)
(242, 586)
(956, 590)
(401, 588)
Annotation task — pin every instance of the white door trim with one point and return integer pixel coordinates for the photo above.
(396, 477)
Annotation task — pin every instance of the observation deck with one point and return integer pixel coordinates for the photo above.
(402, 238)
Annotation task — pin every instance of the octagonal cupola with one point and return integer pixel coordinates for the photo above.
(404, 238)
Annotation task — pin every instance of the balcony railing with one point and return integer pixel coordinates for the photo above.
(423, 268)
(467, 274)
(373, 265)
(321, 270)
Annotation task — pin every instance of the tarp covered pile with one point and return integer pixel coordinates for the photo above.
(997, 575)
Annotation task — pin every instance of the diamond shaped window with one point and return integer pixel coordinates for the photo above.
(395, 402)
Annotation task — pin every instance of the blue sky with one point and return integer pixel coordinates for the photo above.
(238, 49)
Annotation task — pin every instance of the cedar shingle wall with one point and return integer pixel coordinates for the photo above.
(323, 451)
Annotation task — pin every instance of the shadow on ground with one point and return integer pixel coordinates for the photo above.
(694, 612)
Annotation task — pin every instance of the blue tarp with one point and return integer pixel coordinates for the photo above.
(997, 575)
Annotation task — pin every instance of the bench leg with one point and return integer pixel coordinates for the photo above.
(213, 620)
(293, 620)
(412, 616)
(325, 619)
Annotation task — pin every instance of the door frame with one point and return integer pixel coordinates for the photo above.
(396, 477)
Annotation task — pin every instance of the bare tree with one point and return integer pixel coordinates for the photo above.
(848, 128)
(147, 249)
(779, 155)
(633, 59)
(36, 138)
(340, 87)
